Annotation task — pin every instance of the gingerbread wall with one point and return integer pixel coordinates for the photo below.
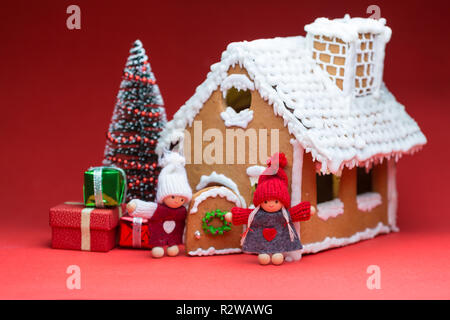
(352, 220)
(263, 117)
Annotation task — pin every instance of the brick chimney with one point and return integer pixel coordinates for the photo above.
(351, 51)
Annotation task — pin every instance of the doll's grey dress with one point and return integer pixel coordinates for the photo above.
(269, 234)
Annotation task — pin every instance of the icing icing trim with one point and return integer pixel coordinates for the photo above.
(236, 119)
(347, 29)
(238, 81)
(222, 179)
(339, 242)
(212, 193)
(253, 173)
(211, 251)
(367, 201)
(330, 209)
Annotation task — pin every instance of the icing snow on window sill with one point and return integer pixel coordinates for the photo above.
(367, 201)
(232, 118)
(330, 209)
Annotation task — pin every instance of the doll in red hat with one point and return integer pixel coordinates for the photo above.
(270, 230)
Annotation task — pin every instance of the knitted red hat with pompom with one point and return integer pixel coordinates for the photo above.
(273, 182)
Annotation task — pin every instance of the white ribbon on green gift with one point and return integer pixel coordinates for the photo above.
(98, 192)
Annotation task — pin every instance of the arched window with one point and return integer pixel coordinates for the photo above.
(238, 99)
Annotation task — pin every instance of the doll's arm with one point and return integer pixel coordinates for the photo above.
(143, 209)
(301, 211)
(239, 215)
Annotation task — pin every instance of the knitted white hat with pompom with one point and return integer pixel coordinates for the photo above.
(173, 179)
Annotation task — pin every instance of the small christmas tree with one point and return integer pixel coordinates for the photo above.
(137, 121)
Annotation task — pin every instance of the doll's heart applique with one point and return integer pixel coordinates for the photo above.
(168, 226)
(269, 233)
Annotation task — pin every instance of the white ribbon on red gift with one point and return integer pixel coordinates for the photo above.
(137, 230)
(85, 224)
(86, 229)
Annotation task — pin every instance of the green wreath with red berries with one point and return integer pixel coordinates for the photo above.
(217, 214)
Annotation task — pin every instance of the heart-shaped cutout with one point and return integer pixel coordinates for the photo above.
(168, 226)
(269, 233)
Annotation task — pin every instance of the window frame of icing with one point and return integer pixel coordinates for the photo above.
(368, 201)
(334, 207)
(367, 198)
(239, 115)
(222, 180)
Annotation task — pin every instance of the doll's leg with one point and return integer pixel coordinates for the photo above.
(277, 258)
(172, 251)
(264, 258)
(157, 252)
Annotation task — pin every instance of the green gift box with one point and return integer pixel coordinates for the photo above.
(104, 187)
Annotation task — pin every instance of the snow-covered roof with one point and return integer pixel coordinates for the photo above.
(339, 130)
(348, 29)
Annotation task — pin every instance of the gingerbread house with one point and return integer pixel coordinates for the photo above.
(321, 100)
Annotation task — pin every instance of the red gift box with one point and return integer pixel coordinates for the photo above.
(134, 233)
(77, 227)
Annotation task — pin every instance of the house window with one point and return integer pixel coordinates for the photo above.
(327, 187)
(328, 203)
(364, 181)
(238, 99)
(367, 198)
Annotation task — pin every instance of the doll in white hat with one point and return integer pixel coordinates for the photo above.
(167, 216)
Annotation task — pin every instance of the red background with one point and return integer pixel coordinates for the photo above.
(58, 89)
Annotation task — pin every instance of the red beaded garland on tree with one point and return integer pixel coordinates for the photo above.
(137, 121)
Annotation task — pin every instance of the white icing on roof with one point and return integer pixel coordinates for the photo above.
(347, 29)
(337, 129)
